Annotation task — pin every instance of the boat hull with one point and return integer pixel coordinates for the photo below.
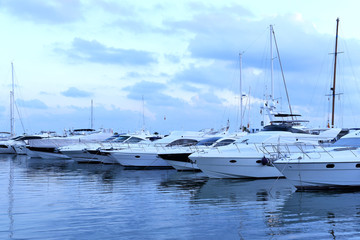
(140, 159)
(235, 167)
(308, 176)
(180, 161)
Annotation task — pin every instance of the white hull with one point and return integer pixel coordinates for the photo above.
(235, 167)
(46, 154)
(20, 149)
(52, 155)
(317, 175)
(7, 150)
(83, 156)
(140, 159)
(76, 154)
(183, 166)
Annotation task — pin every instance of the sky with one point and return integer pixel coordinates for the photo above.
(174, 65)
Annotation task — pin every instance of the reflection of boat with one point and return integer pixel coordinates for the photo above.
(184, 180)
(253, 204)
(243, 190)
(332, 215)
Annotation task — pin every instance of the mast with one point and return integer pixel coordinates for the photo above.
(143, 117)
(12, 118)
(272, 65)
(283, 77)
(334, 81)
(241, 100)
(92, 116)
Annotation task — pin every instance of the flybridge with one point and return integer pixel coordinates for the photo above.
(292, 122)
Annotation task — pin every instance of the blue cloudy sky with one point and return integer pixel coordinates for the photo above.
(173, 64)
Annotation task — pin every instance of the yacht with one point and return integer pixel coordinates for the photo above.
(47, 147)
(5, 147)
(178, 156)
(91, 152)
(335, 166)
(146, 155)
(250, 156)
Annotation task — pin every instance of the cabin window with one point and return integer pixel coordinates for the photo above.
(358, 165)
(134, 140)
(224, 142)
(183, 142)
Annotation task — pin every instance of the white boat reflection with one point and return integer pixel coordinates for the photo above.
(334, 215)
(243, 191)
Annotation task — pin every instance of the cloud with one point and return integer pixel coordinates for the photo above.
(215, 75)
(49, 12)
(221, 35)
(76, 93)
(34, 103)
(93, 51)
(153, 94)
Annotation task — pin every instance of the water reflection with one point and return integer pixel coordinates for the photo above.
(188, 181)
(10, 195)
(256, 202)
(238, 190)
(61, 199)
(330, 214)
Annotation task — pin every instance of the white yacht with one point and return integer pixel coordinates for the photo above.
(146, 155)
(48, 147)
(250, 156)
(327, 167)
(5, 143)
(91, 152)
(178, 156)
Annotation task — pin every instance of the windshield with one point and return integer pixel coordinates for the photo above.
(134, 140)
(353, 142)
(121, 139)
(208, 141)
(224, 142)
(182, 142)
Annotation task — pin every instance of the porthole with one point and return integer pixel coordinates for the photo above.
(258, 161)
(137, 156)
(232, 161)
(358, 165)
(330, 165)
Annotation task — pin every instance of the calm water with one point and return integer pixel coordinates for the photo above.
(47, 199)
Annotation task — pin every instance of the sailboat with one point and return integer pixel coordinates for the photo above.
(337, 166)
(5, 141)
(247, 157)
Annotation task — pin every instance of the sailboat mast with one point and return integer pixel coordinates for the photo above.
(333, 88)
(241, 100)
(272, 65)
(143, 117)
(12, 118)
(92, 115)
